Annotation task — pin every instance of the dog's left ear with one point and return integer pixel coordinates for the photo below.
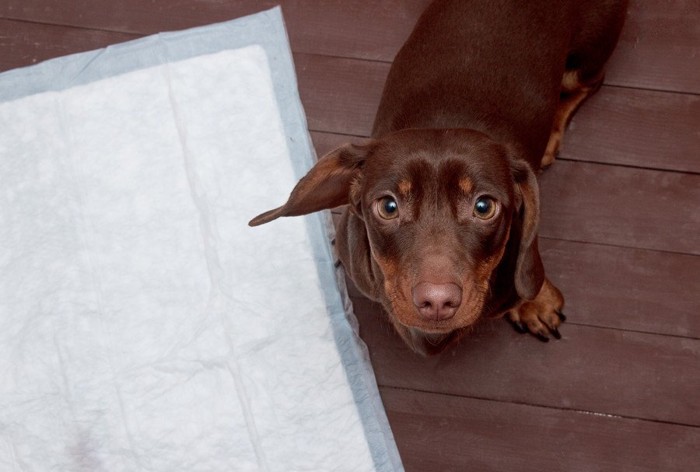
(529, 271)
(326, 185)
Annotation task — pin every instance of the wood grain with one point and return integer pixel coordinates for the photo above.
(340, 95)
(23, 44)
(620, 206)
(604, 371)
(495, 436)
(624, 288)
(637, 128)
(366, 30)
(658, 49)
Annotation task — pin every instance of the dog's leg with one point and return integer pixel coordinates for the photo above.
(574, 92)
(541, 316)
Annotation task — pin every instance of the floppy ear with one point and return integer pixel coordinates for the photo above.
(529, 271)
(326, 185)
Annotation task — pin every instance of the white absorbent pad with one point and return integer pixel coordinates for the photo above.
(143, 325)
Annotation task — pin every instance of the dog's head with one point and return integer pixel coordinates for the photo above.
(448, 223)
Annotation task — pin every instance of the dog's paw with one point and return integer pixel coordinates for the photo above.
(541, 316)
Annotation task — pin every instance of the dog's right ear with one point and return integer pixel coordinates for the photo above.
(326, 185)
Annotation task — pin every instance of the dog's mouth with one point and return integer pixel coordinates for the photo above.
(431, 343)
(423, 332)
(430, 337)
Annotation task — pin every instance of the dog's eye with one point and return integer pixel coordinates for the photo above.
(387, 208)
(485, 208)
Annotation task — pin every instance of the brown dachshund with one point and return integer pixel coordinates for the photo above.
(442, 203)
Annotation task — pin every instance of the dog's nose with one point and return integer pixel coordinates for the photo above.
(437, 301)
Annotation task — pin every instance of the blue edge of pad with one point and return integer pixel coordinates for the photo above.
(267, 30)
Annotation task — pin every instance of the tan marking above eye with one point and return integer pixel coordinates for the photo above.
(405, 187)
(466, 185)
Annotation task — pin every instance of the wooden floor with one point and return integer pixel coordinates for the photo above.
(620, 236)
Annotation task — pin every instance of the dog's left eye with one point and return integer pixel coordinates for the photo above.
(485, 208)
(388, 208)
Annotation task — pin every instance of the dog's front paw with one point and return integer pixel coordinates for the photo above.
(541, 316)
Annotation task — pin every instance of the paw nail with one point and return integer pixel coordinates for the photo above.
(542, 337)
(561, 315)
(519, 327)
(556, 334)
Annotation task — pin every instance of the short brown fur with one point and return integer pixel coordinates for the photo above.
(442, 203)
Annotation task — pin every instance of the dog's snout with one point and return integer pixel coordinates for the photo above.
(437, 302)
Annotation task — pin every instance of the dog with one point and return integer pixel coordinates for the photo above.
(441, 204)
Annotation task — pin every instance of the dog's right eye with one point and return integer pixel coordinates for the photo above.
(387, 208)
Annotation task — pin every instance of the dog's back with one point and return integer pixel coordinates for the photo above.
(497, 67)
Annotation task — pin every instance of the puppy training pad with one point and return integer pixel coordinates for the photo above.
(143, 324)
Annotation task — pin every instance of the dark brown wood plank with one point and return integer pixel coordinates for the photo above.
(367, 30)
(441, 433)
(340, 95)
(659, 47)
(637, 128)
(134, 17)
(623, 288)
(23, 44)
(657, 50)
(604, 371)
(637, 208)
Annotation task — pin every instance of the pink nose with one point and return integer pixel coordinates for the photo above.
(437, 301)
